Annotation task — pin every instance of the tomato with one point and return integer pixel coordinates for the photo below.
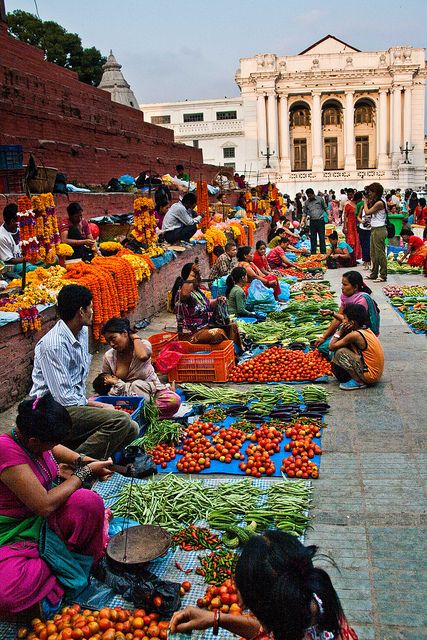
(104, 624)
(105, 613)
(110, 634)
(186, 586)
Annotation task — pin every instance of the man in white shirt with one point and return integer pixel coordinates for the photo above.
(178, 223)
(10, 251)
(61, 367)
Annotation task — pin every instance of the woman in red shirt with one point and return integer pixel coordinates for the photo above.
(420, 213)
(416, 252)
(246, 260)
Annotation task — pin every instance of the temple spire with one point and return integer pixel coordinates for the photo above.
(113, 81)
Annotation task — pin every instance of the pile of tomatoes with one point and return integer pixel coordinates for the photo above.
(277, 364)
(162, 454)
(299, 466)
(269, 438)
(228, 443)
(199, 428)
(107, 624)
(120, 407)
(224, 598)
(303, 449)
(258, 463)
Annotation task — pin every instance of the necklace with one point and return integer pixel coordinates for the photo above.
(39, 461)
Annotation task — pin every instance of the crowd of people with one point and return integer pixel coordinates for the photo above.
(63, 440)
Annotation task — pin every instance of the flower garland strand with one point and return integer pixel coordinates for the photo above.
(144, 221)
(203, 203)
(38, 228)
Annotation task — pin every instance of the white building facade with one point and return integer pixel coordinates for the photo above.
(331, 116)
(215, 126)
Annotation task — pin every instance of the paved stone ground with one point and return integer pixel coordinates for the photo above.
(369, 502)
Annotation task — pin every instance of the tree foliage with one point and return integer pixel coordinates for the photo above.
(59, 46)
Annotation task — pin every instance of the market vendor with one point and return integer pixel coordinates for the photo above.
(287, 595)
(353, 291)
(235, 293)
(245, 258)
(340, 254)
(10, 250)
(127, 369)
(61, 367)
(200, 320)
(416, 250)
(180, 223)
(225, 263)
(76, 232)
(358, 359)
(277, 257)
(31, 501)
(181, 174)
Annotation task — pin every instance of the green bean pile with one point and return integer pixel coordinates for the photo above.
(175, 503)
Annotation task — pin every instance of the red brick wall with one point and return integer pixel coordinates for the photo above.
(17, 349)
(77, 128)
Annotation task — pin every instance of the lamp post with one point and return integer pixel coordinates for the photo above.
(268, 155)
(406, 151)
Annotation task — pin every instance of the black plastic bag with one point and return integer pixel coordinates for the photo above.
(142, 464)
(141, 587)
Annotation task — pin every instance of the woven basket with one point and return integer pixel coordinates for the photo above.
(110, 231)
(44, 181)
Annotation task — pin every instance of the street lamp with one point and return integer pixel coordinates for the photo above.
(406, 150)
(268, 155)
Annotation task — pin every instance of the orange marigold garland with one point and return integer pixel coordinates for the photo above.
(38, 228)
(203, 203)
(144, 221)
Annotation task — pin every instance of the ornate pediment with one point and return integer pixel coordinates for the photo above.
(329, 44)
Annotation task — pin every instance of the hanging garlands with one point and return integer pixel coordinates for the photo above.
(214, 237)
(203, 203)
(144, 221)
(249, 205)
(30, 319)
(38, 228)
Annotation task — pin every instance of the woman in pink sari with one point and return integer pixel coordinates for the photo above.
(41, 521)
(350, 225)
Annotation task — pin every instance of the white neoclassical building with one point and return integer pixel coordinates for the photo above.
(331, 116)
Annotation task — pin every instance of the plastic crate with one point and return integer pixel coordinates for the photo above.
(12, 180)
(128, 402)
(204, 363)
(11, 156)
(158, 341)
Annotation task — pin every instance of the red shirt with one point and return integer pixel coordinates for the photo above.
(261, 261)
(415, 242)
(65, 224)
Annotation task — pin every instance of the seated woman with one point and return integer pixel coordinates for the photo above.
(127, 369)
(354, 291)
(416, 251)
(245, 258)
(287, 595)
(76, 232)
(32, 502)
(277, 258)
(340, 254)
(200, 320)
(236, 297)
(358, 359)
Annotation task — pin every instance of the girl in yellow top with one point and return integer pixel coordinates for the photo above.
(358, 358)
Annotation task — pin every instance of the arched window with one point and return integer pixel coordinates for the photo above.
(331, 115)
(363, 114)
(301, 117)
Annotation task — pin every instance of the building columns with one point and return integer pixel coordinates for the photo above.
(396, 128)
(261, 124)
(272, 126)
(316, 133)
(285, 159)
(382, 129)
(349, 157)
(407, 117)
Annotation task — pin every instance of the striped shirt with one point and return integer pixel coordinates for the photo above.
(61, 365)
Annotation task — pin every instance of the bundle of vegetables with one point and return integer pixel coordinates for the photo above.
(315, 287)
(270, 395)
(297, 308)
(395, 267)
(158, 431)
(270, 332)
(174, 502)
(288, 503)
(277, 364)
(234, 535)
(194, 538)
(218, 566)
(417, 318)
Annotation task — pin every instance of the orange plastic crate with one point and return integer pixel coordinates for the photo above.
(158, 341)
(214, 366)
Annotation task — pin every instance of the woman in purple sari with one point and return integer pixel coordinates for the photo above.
(44, 521)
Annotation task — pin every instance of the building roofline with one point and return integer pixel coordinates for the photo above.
(325, 38)
(191, 102)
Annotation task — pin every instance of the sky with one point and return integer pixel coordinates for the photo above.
(190, 49)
